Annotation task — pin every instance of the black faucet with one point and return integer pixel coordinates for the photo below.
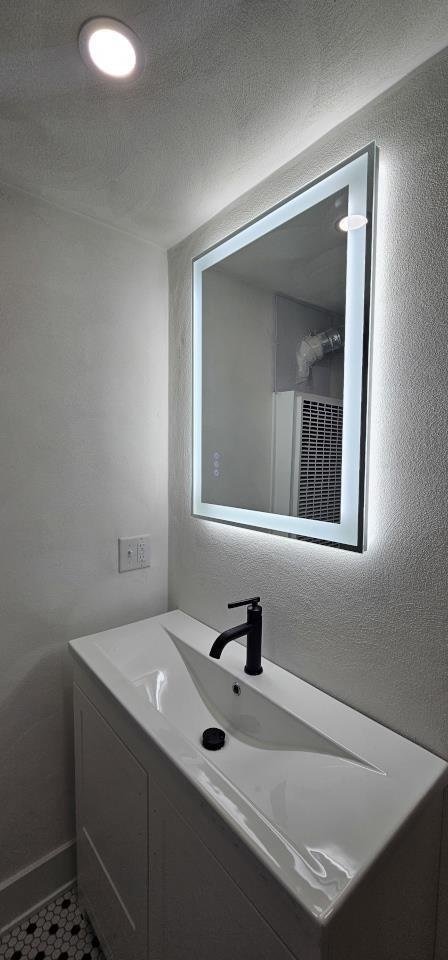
(251, 629)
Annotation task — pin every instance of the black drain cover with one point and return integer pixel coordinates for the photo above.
(213, 738)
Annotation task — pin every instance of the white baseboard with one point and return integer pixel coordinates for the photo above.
(31, 888)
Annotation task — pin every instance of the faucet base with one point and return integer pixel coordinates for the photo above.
(253, 672)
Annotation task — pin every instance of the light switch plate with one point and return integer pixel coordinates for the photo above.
(133, 553)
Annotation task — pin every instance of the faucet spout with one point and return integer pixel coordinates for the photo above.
(251, 629)
(234, 633)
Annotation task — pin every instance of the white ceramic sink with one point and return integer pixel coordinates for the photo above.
(200, 695)
(315, 788)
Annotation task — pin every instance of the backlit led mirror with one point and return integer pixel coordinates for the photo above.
(281, 314)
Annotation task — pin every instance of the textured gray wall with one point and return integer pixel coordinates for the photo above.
(371, 628)
(83, 438)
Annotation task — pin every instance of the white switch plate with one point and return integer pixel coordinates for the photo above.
(133, 553)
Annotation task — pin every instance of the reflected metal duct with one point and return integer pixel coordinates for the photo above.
(313, 348)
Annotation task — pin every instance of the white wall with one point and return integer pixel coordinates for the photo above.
(83, 440)
(370, 628)
(238, 383)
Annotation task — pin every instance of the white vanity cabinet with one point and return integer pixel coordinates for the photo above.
(197, 909)
(112, 834)
(313, 835)
(152, 888)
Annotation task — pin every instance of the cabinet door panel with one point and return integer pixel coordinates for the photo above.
(197, 910)
(112, 829)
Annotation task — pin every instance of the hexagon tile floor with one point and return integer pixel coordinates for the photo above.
(57, 932)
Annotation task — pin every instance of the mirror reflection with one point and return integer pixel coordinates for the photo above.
(273, 334)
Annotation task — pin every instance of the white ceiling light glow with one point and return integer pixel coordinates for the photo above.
(111, 48)
(112, 53)
(353, 222)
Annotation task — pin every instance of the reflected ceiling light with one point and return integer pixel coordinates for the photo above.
(353, 222)
(111, 47)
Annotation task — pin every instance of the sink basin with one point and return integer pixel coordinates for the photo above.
(197, 695)
(316, 789)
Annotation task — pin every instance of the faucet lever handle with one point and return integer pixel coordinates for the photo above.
(253, 601)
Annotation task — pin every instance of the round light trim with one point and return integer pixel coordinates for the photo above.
(353, 222)
(111, 48)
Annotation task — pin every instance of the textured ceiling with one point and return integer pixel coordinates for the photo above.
(232, 89)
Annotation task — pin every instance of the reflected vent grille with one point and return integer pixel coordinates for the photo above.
(319, 468)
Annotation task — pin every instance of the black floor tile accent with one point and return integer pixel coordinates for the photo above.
(57, 932)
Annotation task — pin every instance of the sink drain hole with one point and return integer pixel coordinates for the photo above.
(213, 738)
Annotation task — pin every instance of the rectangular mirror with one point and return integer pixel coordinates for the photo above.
(281, 314)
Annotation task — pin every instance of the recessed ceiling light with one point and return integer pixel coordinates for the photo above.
(111, 47)
(353, 222)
